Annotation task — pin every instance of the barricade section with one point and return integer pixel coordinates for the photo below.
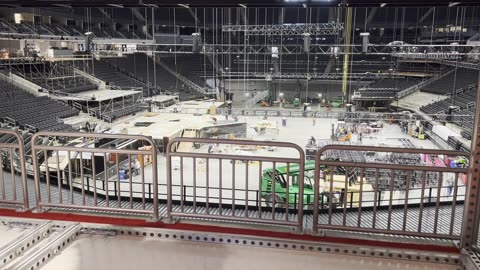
(99, 172)
(392, 190)
(13, 175)
(227, 180)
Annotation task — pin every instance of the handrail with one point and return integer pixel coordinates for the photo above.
(12, 149)
(36, 148)
(390, 168)
(223, 157)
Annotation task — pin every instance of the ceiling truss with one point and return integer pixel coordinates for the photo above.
(287, 29)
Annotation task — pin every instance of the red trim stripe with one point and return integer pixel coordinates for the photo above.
(226, 230)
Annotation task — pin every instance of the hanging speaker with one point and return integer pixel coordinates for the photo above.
(365, 40)
(196, 43)
(306, 42)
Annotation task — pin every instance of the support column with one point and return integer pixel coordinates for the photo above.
(348, 34)
(471, 211)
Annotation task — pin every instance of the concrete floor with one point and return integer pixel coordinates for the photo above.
(9, 233)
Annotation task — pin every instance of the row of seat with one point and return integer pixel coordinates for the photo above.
(27, 109)
(461, 100)
(142, 67)
(114, 115)
(387, 88)
(109, 74)
(194, 67)
(9, 26)
(460, 78)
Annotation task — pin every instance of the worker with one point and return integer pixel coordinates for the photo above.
(360, 137)
(210, 148)
(136, 166)
(313, 121)
(449, 182)
(312, 141)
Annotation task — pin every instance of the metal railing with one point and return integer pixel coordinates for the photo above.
(58, 198)
(15, 192)
(414, 175)
(243, 186)
(214, 166)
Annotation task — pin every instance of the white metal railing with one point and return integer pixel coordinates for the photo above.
(256, 98)
(422, 84)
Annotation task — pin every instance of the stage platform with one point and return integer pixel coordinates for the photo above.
(100, 95)
(159, 125)
(195, 106)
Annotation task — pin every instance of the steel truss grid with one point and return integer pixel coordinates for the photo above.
(287, 29)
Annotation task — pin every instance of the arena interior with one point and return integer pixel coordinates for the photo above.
(224, 135)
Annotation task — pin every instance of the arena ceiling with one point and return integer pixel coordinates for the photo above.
(231, 3)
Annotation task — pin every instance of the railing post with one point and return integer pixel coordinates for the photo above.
(351, 199)
(430, 195)
(295, 196)
(379, 200)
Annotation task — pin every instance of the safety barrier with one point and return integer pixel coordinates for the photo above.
(232, 186)
(13, 188)
(70, 164)
(383, 176)
(234, 189)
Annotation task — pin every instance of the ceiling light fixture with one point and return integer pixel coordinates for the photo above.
(115, 5)
(242, 5)
(383, 4)
(183, 5)
(62, 5)
(452, 4)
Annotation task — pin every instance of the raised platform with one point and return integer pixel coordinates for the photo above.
(100, 95)
(170, 124)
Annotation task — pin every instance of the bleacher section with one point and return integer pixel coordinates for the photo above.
(141, 67)
(461, 100)
(192, 67)
(107, 73)
(104, 31)
(449, 84)
(385, 89)
(70, 85)
(117, 110)
(462, 116)
(394, 83)
(27, 109)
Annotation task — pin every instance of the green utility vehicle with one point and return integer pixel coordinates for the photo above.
(337, 102)
(281, 178)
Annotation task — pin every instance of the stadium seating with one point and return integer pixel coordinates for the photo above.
(461, 100)
(27, 109)
(193, 67)
(398, 84)
(141, 67)
(449, 84)
(71, 85)
(387, 88)
(109, 74)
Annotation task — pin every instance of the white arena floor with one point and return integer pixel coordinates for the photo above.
(297, 130)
